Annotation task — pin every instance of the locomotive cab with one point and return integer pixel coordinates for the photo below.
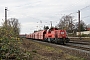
(57, 36)
(62, 37)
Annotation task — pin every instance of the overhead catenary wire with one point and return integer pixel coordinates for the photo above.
(85, 17)
(85, 7)
(79, 9)
(72, 13)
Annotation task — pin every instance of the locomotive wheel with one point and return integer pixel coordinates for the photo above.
(45, 40)
(63, 42)
(56, 40)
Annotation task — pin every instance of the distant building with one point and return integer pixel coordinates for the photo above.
(88, 27)
(83, 32)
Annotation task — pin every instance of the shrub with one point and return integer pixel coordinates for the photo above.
(9, 43)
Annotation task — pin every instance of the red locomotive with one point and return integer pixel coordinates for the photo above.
(50, 35)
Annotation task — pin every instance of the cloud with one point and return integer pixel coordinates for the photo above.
(30, 27)
(29, 12)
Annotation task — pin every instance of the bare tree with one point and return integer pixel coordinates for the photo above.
(67, 23)
(14, 25)
(82, 26)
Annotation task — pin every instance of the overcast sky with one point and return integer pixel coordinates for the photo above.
(34, 14)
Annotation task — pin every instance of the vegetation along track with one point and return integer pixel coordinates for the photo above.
(71, 49)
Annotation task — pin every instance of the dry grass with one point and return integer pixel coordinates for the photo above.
(44, 52)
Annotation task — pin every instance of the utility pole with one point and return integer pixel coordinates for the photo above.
(51, 23)
(5, 15)
(79, 28)
(71, 25)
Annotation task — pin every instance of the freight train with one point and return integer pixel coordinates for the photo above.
(51, 35)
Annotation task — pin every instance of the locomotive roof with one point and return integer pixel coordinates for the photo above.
(53, 28)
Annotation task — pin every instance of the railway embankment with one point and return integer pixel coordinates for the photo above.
(48, 51)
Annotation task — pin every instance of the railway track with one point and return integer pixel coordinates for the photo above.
(71, 48)
(78, 46)
(80, 42)
(83, 45)
(74, 46)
